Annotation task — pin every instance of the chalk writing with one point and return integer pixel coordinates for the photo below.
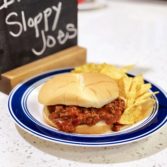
(48, 18)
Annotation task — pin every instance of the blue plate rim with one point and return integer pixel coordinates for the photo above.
(78, 143)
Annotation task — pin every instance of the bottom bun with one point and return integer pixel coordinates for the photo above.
(99, 128)
(46, 117)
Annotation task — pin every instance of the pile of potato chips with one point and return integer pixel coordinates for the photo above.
(137, 95)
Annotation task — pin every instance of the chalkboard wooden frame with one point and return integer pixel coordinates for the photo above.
(33, 29)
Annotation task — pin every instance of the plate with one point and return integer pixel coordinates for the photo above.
(27, 113)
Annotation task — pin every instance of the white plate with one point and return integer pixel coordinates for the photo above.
(27, 113)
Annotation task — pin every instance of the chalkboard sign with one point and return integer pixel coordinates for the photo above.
(32, 29)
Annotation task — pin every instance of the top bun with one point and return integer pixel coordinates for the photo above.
(85, 90)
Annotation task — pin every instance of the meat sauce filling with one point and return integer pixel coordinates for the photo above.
(66, 118)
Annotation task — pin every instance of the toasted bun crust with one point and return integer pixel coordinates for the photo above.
(85, 90)
(99, 128)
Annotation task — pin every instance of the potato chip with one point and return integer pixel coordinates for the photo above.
(131, 98)
(142, 101)
(136, 83)
(148, 106)
(144, 96)
(124, 85)
(131, 115)
(127, 84)
(144, 88)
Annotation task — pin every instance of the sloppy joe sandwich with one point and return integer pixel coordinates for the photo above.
(85, 103)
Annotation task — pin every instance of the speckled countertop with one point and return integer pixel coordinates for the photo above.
(123, 33)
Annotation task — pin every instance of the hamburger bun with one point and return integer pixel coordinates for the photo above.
(84, 90)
